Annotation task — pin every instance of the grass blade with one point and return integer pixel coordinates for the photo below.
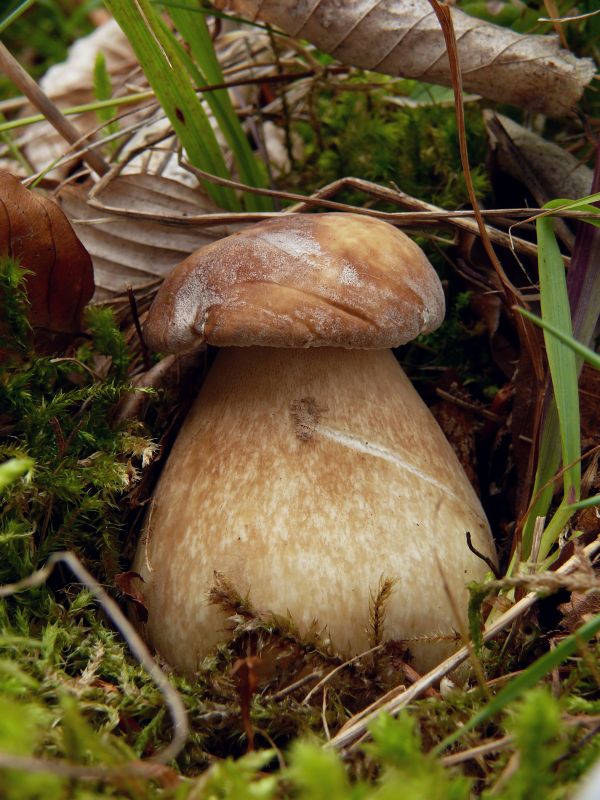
(587, 503)
(528, 678)
(160, 58)
(561, 359)
(584, 352)
(15, 14)
(205, 69)
(563, 414)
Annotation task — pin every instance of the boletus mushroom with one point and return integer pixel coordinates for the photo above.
(308, 468)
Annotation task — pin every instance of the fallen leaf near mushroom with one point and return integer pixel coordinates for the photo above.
(36, 233)
(404, 38)
(558, 172)
(127, 250)
(128, 584)
(580, 607)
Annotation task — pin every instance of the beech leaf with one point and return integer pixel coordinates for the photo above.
(36, 233)
(128, 249)
(404, 38)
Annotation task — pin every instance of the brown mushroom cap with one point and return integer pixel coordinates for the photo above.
(301, 280)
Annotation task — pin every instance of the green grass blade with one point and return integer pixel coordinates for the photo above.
(14, 15)
(561, 359)
(547, 466)
(581, 204)
(205, 70)
(528, 678)
(589, 502)
(103, 90)
(114, 102)
(218, 15)
(586, 353)
(160, 58)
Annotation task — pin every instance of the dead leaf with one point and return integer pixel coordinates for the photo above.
(580, 607)
(36, 233)
(129, 251)
(558, 172)
(404, 38)
(127, 584)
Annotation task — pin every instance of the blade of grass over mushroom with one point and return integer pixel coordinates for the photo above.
(167, 74)
(528, 678)
(205, 69)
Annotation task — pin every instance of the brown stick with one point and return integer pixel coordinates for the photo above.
(25, 83)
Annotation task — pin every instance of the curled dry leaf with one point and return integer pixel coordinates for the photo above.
(580, 607)
(404, 38)
(36, 233)
(131, 251)
(558, 172)
(127, 584)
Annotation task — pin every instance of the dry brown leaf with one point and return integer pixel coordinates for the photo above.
(578, 609)
(36, 233)
(128, 251)
(404, 38)
(558, 172)
(128, 584)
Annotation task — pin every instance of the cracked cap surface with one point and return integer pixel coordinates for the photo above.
(300, 280)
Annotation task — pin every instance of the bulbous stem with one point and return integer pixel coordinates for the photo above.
(306, 477)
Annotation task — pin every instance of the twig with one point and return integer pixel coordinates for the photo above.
(42, 102)
(144, 769)
(138, 328)
(337, 669)
(428, 214)
(486, 559)
(473, 408)
(395, 700)
(136, 645)
(293, 686)
(474, 752)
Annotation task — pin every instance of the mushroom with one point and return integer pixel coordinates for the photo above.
(306, 470)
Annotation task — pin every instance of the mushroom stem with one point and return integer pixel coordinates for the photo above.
(315, 473)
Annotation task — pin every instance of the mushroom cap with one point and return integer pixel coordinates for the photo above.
(300, 280)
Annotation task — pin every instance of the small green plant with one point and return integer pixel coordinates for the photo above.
(103, 91)
(562, 416)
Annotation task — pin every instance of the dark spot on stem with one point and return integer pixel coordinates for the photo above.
(179, 114)
(305, 415)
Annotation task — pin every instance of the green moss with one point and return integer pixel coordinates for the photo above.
(416, 148)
